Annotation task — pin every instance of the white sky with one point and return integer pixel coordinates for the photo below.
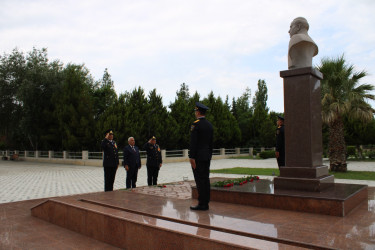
(223, 46)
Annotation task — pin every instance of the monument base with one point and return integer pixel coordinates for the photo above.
(305, 184)
(314, 179)
(338, 200)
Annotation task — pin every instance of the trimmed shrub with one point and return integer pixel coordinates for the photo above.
(371, 154)
(267, 154)
(350, 151)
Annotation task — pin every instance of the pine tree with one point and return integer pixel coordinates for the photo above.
(74, 109)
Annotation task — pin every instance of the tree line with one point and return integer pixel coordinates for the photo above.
(46, 105)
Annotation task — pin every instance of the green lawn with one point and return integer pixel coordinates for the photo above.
(353, 175)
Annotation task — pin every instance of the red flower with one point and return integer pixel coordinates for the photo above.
(257, 177)
(251, 180)
(164, 186)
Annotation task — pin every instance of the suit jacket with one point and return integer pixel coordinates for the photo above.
(201, 140)
(110, 150)
(132, 158)
(153, 154)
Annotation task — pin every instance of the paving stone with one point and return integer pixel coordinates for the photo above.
(23, 180)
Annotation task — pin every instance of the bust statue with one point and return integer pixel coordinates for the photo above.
(301, 47)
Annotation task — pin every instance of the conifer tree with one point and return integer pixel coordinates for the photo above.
(74, 109)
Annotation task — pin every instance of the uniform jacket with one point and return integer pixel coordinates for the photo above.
(110, 150)
(132, 158)
(201, 140)
(280, 139)
(153, 154)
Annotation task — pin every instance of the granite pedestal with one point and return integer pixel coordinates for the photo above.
(304, 169)
(338, 200)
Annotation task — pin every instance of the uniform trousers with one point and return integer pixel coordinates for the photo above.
(152, 174)
(202, 180)
(109, 178)
(281, 159)
(131, 177)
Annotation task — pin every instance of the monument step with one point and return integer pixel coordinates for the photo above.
(112, 218)
(339, 200)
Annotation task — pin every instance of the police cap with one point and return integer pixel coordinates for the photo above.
(201, 107)
(110, 131)
(280, 118)
(153, 138)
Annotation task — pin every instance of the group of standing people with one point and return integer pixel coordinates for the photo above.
(200, 154)
(132, 161)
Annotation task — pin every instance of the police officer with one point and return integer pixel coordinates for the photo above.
(280, 142)
(154, 161)
(110, 160)
(201, 144)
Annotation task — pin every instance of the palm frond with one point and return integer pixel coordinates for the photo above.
(341, 92)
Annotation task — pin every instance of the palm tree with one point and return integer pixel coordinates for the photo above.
(342, 95)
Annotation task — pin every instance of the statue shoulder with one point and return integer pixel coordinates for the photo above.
(299, 38)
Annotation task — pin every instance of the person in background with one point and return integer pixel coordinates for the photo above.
(154, 161)
(280, 142)
(110, 160)
(132, 162)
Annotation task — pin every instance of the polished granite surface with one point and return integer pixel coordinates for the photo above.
(355, 231)
(338, 191)
(243, 225)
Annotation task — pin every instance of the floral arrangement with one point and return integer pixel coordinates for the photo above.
(238, 181)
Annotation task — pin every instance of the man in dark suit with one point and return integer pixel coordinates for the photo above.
(132, 162)
(110, 160)
(280, 142)
(201, 144)
(154, 161)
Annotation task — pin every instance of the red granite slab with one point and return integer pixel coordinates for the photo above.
(338, 200)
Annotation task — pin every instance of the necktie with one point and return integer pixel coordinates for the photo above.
(133, 148)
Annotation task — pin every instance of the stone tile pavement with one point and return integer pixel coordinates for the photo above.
(22, 180)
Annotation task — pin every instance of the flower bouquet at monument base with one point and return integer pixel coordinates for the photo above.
(237, 181)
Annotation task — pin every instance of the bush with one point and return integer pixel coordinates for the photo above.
(371, 154)
(267, 154)
(2, 145)
(350, 151)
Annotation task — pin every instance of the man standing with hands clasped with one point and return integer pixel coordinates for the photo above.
(201, 144)
(132, 162)
(154, 161)
(280, 142)
(110, 160)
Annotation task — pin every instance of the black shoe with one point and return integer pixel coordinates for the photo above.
(200, 207)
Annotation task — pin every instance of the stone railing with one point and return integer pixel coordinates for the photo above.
(95, 158)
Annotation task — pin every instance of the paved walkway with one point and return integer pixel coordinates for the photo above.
(23, 180)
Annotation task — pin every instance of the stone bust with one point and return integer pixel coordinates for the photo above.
(301, 47)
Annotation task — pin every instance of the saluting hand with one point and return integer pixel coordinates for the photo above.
(277, 154)
(126, 167)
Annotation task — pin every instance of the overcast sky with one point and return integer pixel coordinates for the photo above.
(220, 46)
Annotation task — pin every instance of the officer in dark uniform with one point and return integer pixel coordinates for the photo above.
(110, 160)
(154, 161)
(280, 142)
(201, 144)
